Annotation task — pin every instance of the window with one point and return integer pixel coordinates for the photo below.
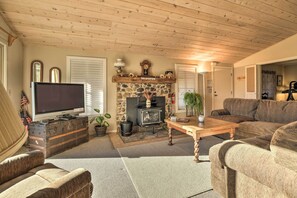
(3, 64)
(91, 72)
(187, 81)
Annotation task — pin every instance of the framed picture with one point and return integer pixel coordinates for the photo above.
(279, 79)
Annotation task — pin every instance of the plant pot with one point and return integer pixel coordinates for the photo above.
(100, 131)
(126, 128)
(189, 111)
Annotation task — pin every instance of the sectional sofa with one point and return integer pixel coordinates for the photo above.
(262, 162)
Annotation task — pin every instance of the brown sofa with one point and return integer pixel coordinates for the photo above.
(256, 117)
(264, 165)
(26, 175)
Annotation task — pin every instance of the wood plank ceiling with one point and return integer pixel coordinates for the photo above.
(207, 30)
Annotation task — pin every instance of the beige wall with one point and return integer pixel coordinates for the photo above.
(239, 84)
(56, 57)
(14, 66)
(284, 50)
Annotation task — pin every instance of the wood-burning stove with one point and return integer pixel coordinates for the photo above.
(147, 116)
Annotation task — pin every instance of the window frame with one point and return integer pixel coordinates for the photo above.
(4, 72)
(177, 110)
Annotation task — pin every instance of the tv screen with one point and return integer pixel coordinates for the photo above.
(53, 99)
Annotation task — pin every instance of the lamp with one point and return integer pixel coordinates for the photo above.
(203, 69)
(13, 133)
(119, 64)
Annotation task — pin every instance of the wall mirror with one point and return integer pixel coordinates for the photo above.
(36, 71)
(55, 75)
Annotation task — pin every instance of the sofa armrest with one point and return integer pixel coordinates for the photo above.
(283, 146)
(20, 164)
(219, 112)
(257, 164)
(77, 182)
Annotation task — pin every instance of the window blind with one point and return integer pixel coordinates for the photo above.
(186, 82)
(91, 72)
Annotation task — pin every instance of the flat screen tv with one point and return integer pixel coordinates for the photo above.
(50, 100)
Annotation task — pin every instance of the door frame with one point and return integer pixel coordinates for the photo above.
(213, 82)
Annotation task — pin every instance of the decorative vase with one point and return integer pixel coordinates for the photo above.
(201, 118)
(148, 103)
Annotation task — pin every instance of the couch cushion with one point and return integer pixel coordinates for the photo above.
(233, 118)
(284, 146)
(25, 187)
(49, 172)
(259, 141)
(256, 128)
(277, 111)
(240, 106)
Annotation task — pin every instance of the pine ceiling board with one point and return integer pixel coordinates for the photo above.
(221, 30)
(50, 13)
(233, 10)
(212, 14)
(173, 17)
(234, 35)
(283, 5)
(267, 9)
(145, 44)
(125, 15)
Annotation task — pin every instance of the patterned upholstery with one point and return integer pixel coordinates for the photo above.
(233, 118)
(277, 111)
(284, 146)
(241, 107)
(257, 128)
(26, 175)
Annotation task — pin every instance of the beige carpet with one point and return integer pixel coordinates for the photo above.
(159, 170)
(147, 170)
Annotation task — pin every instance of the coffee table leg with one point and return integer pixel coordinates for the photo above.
(196, 149)
(170, 136)
(232, 132)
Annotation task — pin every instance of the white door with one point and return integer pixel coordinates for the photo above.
(222, 85)
(251, 82)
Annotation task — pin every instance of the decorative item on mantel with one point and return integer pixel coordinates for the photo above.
(119, 64)
(145, 67)
(148, 96)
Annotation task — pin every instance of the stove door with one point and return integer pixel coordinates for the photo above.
(150, 116)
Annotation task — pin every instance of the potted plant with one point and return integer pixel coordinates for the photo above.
(195, 102)
(102, 124)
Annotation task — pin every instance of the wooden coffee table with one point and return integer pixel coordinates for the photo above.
(198, 130)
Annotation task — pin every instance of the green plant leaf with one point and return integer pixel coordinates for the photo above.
(97, 110)
(99, 120)
(107, 115)
(92, 120)
(105, 123)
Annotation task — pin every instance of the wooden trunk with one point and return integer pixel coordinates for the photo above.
(57, 136)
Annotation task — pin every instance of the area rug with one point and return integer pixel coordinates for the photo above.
(159, 170)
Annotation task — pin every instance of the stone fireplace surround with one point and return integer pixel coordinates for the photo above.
(125, 90)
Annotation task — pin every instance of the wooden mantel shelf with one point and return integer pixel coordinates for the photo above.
(155, 80)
